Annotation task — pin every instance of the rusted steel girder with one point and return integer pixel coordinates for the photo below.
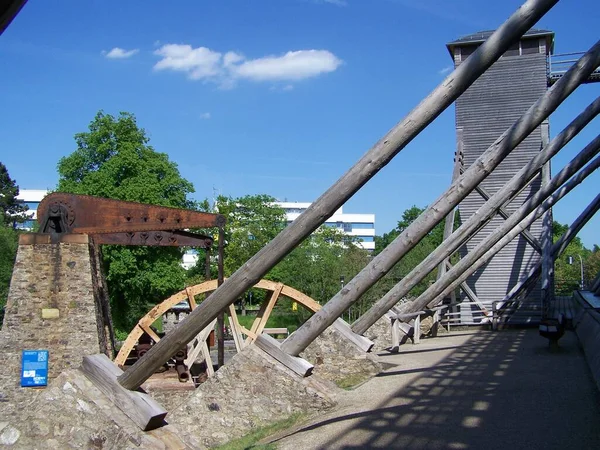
(124, 223)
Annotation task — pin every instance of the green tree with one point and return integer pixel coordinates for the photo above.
(8, 250)
(567, 267)
(252, 222)
(412, 258)
(113, 159)
(11, 209)
(320, 264)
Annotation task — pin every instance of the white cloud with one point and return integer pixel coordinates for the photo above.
(205, 116)
(198, 62)
(119, 53)
(202, 63)
(291, 66)
(445, 70)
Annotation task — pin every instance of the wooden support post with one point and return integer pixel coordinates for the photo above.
(527, 213)
(472, 176)
(530, 238)
(141, 408)
(264, 312)
(235, 329)
(200, 339)
(456, 172)
(417, 328)
(395, 328)
(359, 341)
(557, 249)
(369, 164)
(221, 314)
(272, 347)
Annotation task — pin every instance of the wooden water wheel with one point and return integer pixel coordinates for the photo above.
(241, 335)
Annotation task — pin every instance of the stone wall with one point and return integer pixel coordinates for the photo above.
(54, 303)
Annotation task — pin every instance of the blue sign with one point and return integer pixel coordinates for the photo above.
(34, 371)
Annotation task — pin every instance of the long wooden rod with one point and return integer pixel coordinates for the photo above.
(458, 190)
(509, 236)
(557, 248)
(373, 161)
(533, 208)
(476, 221)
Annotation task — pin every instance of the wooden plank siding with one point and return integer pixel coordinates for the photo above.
(490, 106)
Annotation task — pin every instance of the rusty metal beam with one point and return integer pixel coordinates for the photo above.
(69, 213)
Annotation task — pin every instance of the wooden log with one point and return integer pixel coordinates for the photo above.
(369, 164)
(557, 249)
(520, 219)
(409, 316)
(395, 328)
(141, 408)
(361, 342)
(476, 221)
(200, 339)
(547, 273)
(235, 329)
(530, 238)
(272, 347)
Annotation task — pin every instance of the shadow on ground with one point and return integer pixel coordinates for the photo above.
(497, 390)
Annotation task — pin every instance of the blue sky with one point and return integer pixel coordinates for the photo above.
(275, 97)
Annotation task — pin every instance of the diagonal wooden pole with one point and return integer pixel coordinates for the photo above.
(532, 209)
(557, 249)
(373, 161)
(476, 221)
(383, 262)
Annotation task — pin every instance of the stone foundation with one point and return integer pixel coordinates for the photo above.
(252, 390)
(56, 302)
(72, 413)
(381, 335)
(338, 360)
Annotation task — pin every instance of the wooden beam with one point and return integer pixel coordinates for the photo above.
(191, 299)
(271, 346)
(530, 238)
(369, 164)
(149, 331)
(141, 408)
(471, 178)
(557, 249)
(200, 339)
(264, 312)
(359, 341)
(532, 209)
(235, 329)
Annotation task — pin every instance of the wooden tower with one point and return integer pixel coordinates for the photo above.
(490, 106)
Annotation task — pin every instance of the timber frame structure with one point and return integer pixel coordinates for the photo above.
(122, 385)
(199, 346)
(377, 157)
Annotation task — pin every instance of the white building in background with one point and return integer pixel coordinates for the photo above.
(361, 226)
(31, 198)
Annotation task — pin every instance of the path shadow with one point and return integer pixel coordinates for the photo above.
(503, 390)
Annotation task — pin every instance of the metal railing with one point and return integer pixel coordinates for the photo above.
(558, 65)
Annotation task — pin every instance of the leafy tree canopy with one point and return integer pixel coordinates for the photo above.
(11, 209)
(567, 267)
(252, 222)
(113, 159)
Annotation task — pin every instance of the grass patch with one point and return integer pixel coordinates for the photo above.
(352, 380)
(251, 440)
